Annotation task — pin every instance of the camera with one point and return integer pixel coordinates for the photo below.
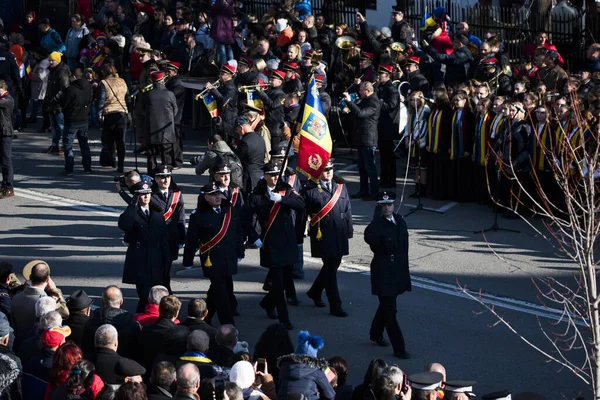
(219, 389)
(120, 179)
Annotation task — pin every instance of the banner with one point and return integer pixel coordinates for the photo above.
(315, 139)
(253, 100)
(211, 105)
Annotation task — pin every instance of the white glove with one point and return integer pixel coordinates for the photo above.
(258, 243)
(276, 197)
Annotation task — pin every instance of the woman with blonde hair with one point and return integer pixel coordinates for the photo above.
(113, 99)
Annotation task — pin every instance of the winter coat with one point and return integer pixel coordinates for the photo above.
(7, 104)
(306, 375)
(149, 316)
(226, 97)
(366, 114)
(52, 41)
(389, 268)
(57, 80)
(211, 157)
(75, 102)
(11, 368)
(122, 320)
(73, 39)
(204, 225)
(251, 152)
(161, 108)
(417, 81)
(176, 222)
(105, 361)
(176, 87)
(387, 127)
(76, 322)
(336, 226)
(222, 23)
(39, 79)
(458, 63)
(163, 336)
(273, 101)
(9, 72)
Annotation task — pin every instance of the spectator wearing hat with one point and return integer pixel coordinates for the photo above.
(285, 33)
(79, 304)
(216, 225)
(251, 152)
(226, 96)
(51, 339)
(50, 39)
(303, 372)
(415, 78)
(173, 83)
(387, 235)
(148, 255)
(553, 75)
(58, 80)
(159, 127)
(277, 238)
(458, 63)
(167, 198)
(400, 27)
(40, 284)
(243, 374)
(387, 126)
(272, 99)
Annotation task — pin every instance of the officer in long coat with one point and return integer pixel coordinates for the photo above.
(148, 257)
(216, 226)
(167, 198)
(387, 235)
(272, 205)
(251, 152)
(174, 84)
(387, 126)
(159, 128)
(328, 205)
(226, 96)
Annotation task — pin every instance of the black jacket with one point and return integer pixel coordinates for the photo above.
(13, 391)
(293, 86)
(174, 85)
(9, 72)
(417, 81)
(148, 255)
(458, 63)
(366, 114)
(273, 101)
(400, 31)
(325, 102)
(279, 244)
(251, 152)
(389, 268)
(220, 355)
(160, 108)
(159, 393)
(306, 375)
(336, 226)
(58, 80)
(76, 322)
(7, 104)
(122, 320)
(387, 127)
(226, 97)
(163, 336)
(205, 224)
(105, 361)
(40, 366)
(195, 324)
(75, 102)
(176, 222)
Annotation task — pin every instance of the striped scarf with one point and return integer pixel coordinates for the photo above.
(434, 128)
(539, 146)
(480, 145)
(457, 145)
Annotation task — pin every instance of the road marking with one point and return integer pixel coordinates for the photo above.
(66, 202)
(454, 290)
(442, 209)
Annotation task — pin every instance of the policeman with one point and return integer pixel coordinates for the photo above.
(425, 384)
(272, 204)
(173, 83)
(328, 205)
(216, 226)
(459, 390)
(148, 258)
(9, 70)
(387, 235)
(232, 192)
(167, 198)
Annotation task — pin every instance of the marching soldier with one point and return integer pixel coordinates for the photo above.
(139, 112)
(148, 259)
(273, 101)
(226, 96)
(231, 191)
(160, 107)
(328, 205)
(167, 198)
(173, 83)
(387, 235)
(215, 225)
(387, 126)
(272, 204)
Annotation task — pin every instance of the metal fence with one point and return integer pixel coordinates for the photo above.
(335, 11)
(570, 30)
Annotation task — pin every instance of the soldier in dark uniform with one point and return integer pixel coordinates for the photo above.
(167, 198)
(159, 129)
(245, 76)
(216, 226)
(173, 83)
(387, 235)
(148, 255)
(328, 205)
(226, 97)
(277, 238)
(367, 71)
(387, 126)
(273, 106)
(292, 84)
(251, 152)
(415, 79)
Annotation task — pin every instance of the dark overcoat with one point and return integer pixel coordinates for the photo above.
(176, 222)
(388, 118)
(160, 110)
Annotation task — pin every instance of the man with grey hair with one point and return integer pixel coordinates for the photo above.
(401, 388)
(151, 314)
(197, 346)
(188, 382)
(112, 313)
(163, 380)
(32, 346)
(233, 391)
(105, 357)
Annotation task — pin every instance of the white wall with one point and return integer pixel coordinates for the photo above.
(381, 16)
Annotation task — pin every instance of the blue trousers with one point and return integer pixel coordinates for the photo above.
(367, 170)
(58, 124)
(70, 132)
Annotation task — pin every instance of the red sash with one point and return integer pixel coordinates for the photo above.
(173, 205)
(314, 219)
(276, 207)
(220, 235)
(234, 196)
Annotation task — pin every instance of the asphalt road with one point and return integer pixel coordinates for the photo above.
(72, 224)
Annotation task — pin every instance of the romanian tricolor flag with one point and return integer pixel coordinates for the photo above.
(315, 139)
(28, 70)
(253, 100)
(211, 105)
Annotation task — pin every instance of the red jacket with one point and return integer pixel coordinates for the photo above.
(135, 69)
(84, 8)
(149, 316)
(529, 50)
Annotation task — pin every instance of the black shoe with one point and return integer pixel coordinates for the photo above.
(317, 300)
(293, 301)
(271, 313)
(66, 173)
(358, 195)
(380, 341)
(288, 325)
(404, 355)
(339, 313)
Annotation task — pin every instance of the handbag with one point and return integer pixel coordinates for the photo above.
(128, 118)
(105, 157)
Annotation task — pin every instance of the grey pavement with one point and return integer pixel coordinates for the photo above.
(72, 224)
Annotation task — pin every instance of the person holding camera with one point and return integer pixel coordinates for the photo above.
(125, 184)
(218, 152)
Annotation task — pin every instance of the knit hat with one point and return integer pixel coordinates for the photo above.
(55, 56)
(9, 372)
(282, 23)
(242, 374)
(53, 337)
(308, 345)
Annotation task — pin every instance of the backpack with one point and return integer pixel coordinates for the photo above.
(234, 163)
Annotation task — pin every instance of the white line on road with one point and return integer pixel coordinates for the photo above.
(442, 209)
(65, 202)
